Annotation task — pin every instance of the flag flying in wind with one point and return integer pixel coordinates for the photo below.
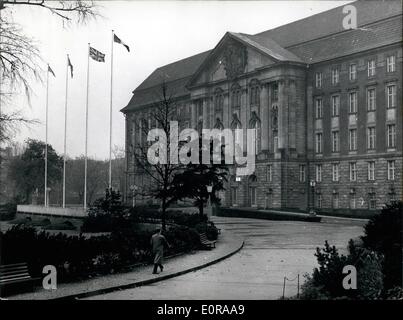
(117, 40)
(70, 65)
(51, 71)
(97, 55)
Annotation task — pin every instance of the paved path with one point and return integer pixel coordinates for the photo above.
(227, 245)
(272, 250)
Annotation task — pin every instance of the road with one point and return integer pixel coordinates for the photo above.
(272, 250)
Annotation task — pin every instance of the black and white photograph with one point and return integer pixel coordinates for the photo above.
(212, 152)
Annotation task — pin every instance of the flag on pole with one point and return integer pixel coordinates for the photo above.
(97, 55)
(117, 40)
(70, 65)
(51, 71)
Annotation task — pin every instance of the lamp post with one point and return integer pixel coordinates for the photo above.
(312, 184)
(133, 188)
(209, 208)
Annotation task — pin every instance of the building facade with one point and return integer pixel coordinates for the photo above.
(326, 104)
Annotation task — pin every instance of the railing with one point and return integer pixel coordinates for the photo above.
(78, 212)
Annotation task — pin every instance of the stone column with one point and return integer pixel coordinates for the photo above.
(264, 116)
(193, 114)
(282, 114)
(205, 113)
(225, 120)
(244, 114)
(292, 121)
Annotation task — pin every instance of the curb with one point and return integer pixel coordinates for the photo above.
(145, 282)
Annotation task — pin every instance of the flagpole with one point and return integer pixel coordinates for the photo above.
(110, 118)
(46, 138)
(65, 134)
(86, 130)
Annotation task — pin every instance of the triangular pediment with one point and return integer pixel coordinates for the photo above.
(237, 54)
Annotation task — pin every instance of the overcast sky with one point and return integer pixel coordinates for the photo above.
(157, 32)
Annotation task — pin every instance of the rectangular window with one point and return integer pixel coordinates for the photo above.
(371, 170)
(391, 96)
(319, 108)
(301, 173)
(318, 80)
(391, 128)
(353, 102)
(335, 201)
(353, 171)
(318, 144)
(372, 201)
(335, 141)
(269, 173)
(352, 139)
(335, 172)
(353, 201)
(319, 201)
(371, 138)
(353, 72)
(335, 76)
(371, 99)
(391, 63)
(335, 106)
(234, 199)
(318, 173)
(371, 68)
(391, 170)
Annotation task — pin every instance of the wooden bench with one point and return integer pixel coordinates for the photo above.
(206, 242)
(213, 225)
(15, 278)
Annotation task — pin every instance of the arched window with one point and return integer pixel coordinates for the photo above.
(218, 124)
(254, 93)
(254, 123)
(235, 96)
(252, 181)
(218, 102)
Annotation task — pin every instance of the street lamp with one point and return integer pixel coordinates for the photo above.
(133, 188)
(209, 207)
(312, 212)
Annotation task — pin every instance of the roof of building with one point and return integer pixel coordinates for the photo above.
(313, 39)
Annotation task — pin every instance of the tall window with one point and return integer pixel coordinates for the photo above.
(275, 92)
(352, 139)
(353, 201)
(371, 68)
(353, 171)
(318, 80)
(371, 99)
(391, 63)
(319, 201)
(301, 173)
(391, 128)
(255, 124)
(371, 170)
(335, 76)
(391, 96)
(335, 106)
(319, 108)
(318, 142)
(391, 169)
(236, 97)
(234, 199)
(335, 141)
(353, 101)
(335, 172)
(270, 173)
(318, 173)
(254, 94)
(218, 103)
(372, 201)
(353, 72)
(371, 138)
(335, 200)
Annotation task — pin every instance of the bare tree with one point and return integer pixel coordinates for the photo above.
(20, 58)
(160, 174)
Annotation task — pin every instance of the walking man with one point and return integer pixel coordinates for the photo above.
(158, 242)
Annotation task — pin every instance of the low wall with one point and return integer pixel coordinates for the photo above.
(74, 212)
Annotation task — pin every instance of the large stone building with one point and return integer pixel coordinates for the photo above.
(326, 103)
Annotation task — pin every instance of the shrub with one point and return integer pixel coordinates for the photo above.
(383, 234)
(326, 281)
(8, 211)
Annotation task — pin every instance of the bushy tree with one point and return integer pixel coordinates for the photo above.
(383, 234)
